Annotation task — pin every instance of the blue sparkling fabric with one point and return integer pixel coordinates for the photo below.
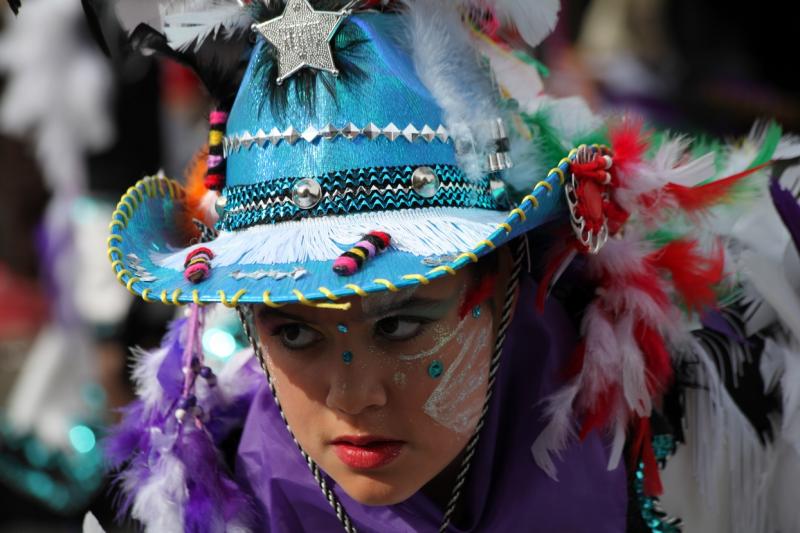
(352, 191)
(389, 92)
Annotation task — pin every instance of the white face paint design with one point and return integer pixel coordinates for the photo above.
(454, 403)
(441, 343)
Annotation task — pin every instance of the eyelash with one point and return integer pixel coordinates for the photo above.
(422, 322)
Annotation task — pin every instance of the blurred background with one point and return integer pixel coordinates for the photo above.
(76, 131)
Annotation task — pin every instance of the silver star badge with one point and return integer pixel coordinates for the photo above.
(302, 37)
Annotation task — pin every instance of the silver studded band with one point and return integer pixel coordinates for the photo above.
(349, 131)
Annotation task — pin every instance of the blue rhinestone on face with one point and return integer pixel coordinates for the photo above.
(347, 357)
(476, 311)
(342, 328)
(435, 369)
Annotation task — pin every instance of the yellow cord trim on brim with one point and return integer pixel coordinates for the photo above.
(268, 301)
(328, 294)
(443, 268)
(544, 184)
(129, 285)
(234, 301)
(417, 277)
(146, 297)
(356, 289)
(531, 199)
(520, 213)
(505, 226)
(386, 283)
(196, 299)
(560, 175)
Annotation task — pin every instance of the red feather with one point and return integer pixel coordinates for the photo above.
(629, 142)
(600, 412)
(701, 197)
(694, 275)
(642, 450)
(656, 356)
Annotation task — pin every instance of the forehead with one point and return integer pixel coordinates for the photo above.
(365, 308)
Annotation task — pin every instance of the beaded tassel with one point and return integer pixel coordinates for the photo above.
(215, 178)
(368, 247)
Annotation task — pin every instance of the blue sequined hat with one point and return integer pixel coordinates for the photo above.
(313, 167)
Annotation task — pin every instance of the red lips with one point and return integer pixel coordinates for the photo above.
(366, 452)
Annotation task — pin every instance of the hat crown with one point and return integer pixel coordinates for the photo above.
(382, 116)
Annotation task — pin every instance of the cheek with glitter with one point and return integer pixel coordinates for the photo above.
(400, 379)
(457, 400)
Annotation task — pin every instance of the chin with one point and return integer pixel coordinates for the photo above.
(369, 491)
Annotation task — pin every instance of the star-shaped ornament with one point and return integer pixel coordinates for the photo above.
(302, 37)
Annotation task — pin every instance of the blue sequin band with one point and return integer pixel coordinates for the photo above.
(352, 191)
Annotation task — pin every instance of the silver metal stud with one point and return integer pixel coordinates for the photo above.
(220, 204)
(291, 135)
(306, 193)
(329, 132)
(247, 140)
(391, 131)
(411, 133)
(274, 136)
(351, 131)
(261, 137)
(442, 134)
(371, 131)
(310, 134)
(427, 133)
(425, 182)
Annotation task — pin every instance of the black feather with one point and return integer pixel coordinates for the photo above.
(218, 62)
(15, 5)
(345, 47)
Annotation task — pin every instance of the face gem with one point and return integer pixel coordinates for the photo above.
(476, 311)
(302, 37)
(342, 328)
(435, 369)
(347, 357)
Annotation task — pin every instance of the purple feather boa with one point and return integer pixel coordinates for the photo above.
(213, 502)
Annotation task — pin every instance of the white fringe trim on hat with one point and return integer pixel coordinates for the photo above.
(422, 232)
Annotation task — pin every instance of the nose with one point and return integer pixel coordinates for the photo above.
(356, 388)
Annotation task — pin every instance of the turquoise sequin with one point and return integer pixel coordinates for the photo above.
(655, 519)
(476, 311)
(435, 369)
(347, 357)
(342, 328)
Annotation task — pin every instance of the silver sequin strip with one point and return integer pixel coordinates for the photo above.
(234, 143)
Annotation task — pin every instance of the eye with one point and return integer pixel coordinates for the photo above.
(297, 336)
(397, 328)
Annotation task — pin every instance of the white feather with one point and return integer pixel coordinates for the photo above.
(424, 232)
(534, 19)
(634, 382)
(190, 22)
(159, 503)
(448, 65)
(558, 431)
(716, 423)
(145, 375)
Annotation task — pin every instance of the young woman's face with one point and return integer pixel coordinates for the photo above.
(385, 395)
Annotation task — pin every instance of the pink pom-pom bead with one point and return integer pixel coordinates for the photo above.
(345, 266)
(218, 117)
(196, 272)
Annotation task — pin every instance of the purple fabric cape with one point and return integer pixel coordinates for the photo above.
(505, 490)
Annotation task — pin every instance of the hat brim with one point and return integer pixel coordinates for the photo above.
(279, 264)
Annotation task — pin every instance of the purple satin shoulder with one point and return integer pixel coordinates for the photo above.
(505, 491)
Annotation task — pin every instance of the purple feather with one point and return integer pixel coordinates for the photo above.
(788, 208)
(214, 500)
